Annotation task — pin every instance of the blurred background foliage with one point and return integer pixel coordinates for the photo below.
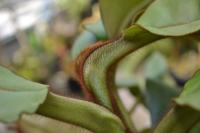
(40, 40)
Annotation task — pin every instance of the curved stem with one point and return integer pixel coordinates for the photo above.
(96, 69)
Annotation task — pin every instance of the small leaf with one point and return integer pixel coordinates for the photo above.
(118, 13)
(82, 41)
(172, 17)
(18, 95)
(191, 93)
(97, 28)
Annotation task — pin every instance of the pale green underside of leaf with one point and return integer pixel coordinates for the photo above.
(172, 17)
(116, 14)
(191, 93)
(18, 95)
(40, 124)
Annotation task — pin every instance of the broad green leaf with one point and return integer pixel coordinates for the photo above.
(95, 67)
(185, 116)
(116, 14)
(18, 95)
(82, 41)
(40, 124)
(157, 98)
(155, 66)
(98, 29)
(178, 120)
(172, 17)
(82, 113)
(190, 95)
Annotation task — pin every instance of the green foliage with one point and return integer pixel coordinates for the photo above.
(171, 17)
(155, 67)
(82, 41)
(191, 93)
(183, 118)
(22, 96)
(18, 95)
(81, 113)
(96, 66)
(157, 98)
(117, 14)
(40, 124)
(178, 120)
(101, 60)
(98, 29)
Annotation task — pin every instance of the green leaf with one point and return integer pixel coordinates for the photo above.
(82, 41)
(155, 66)
(40, 124)
(190, 95)
(97, 29)
(172, 17)
(157, 98)
(178, 120)
(18, 95)
(185, 116)
(118, 13)
(81, 113)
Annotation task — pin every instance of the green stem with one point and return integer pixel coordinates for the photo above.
(117, 105)
(98, 69)
(82, 113)
(125, 115)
